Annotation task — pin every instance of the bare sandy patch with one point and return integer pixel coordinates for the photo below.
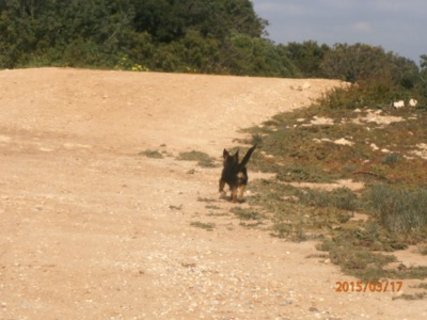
(320, 121)
(421, 150)
(5, 139)
(344, 183)
(341, 141)
(377, 117)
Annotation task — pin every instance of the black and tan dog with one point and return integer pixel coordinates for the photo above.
(234, 173)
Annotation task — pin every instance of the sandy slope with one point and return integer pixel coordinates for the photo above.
(92, 230)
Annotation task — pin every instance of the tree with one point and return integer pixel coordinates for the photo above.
(423, 62)
(307, 57)
(364, 62)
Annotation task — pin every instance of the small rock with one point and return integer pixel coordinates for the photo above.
(287, 302)
(306, 86)
(313, 309)
(344, 142)
(374, 147)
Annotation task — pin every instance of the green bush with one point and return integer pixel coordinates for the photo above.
(391, 159)
(372, 93)
(360, 62)
(357, 261)
(341, 198)
(399, 209)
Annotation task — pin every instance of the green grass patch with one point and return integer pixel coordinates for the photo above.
(415, 296)
(357, 247)
(297, 150)
(203, 159)
(208, 200)
(422, 249)
(298, 147)
(203, 225)
(212, 207)
(341, 198)
(392, 159)
(247, 214)
(291, 218)
(151, 154)
(357, 261)
(399, 209)
(422, 286)
(217, 214)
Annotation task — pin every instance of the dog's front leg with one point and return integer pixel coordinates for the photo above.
(221, 187)
(241, 191)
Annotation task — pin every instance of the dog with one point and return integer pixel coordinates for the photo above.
(235, 174)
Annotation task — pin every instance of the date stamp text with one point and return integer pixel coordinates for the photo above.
(369, 286)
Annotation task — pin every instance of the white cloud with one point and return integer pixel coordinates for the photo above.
(286, 7)
(396, 25)
(362, 26)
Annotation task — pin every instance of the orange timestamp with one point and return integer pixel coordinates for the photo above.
(369, 286)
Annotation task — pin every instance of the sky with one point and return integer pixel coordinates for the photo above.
(396, 25)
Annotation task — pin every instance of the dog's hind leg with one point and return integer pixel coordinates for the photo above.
(234, 195)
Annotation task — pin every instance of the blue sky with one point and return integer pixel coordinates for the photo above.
(396, 25)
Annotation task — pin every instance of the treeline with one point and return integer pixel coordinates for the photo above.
(170, 35)
(215, 36)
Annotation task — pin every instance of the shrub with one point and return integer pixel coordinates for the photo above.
(391, 159)
(357, 261)
(341, 198)
(399, 209)
(374, 93)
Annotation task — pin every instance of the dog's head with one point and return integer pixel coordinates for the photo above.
(230, 161)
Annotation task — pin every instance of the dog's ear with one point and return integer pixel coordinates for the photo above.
(236, 155)
(225, 154)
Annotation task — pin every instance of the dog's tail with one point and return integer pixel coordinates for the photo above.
(247, 156)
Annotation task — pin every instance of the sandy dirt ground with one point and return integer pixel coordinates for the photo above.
(90, 229)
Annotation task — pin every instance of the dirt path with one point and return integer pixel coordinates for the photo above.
(92, 230)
